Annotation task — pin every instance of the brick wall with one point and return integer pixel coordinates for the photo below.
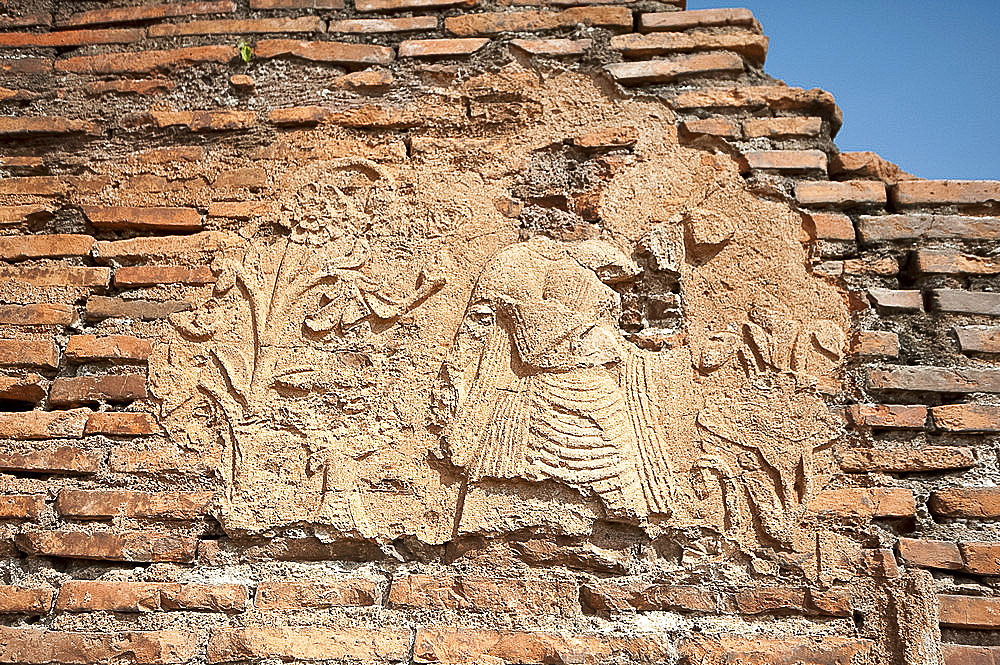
(136, 144)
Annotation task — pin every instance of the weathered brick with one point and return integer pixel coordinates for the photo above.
(888, 416)
(963, 654)
(22, 213)
(191, 247)
(29, 388)
(67, 390)
(830, 602)
(40, 185)
(607, 139)
(176, 153)
(108, 347)
(943, 261)
(942, 554)
(247, 177)
(28, 353)
(101, 307)
(879, 563)
(136, 597)
(136, 546)
(291, 595)
(972, 612)
(160, 459)
(966, 302)
(664, 71)
(750, 45)
(832, 225)
(553, 48)
(41, 125)
(876, 343)
(295, 644)
(112, 503)
(865, 503)
(850, 193)
(47, 425)
(239, 209)
(696, 18)
(203, 121)
(616, 597)
(765, 97)
(238, 26)
(906, 460)
(515, 596)
(144, 62)
(770, 600)
(15, 248)
(981, 558)
(147, 12)
(34, 646)
(782, 127)
(912, 193)
(721, 127)
(25, 600)
(874, 265)
(934, 379)
(441, 48)
(296, 4)
(24, 20)
(787, 160)
(117, 423)
(64, 38)
(892, 301)
(867, 166)
(380, 25)
(492, 23)
(154, 275)
(69, 276)
(730, 649)
(25, 65)
(974, 502)
(978, 339)
(454, 646)
(874, 228)
(19, 507)
(967, 417)
(130, 86)
(389, 5)
(127, 217)
(332, 52)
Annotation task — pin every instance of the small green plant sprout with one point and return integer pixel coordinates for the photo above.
(246, 51)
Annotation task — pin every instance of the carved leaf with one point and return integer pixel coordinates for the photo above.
(235, 367)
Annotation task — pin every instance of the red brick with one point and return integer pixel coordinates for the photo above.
(296, 4)
(832, 225)
(906, 460)
(20, 507)
(67, 390)
(972, 612)
(238, 26)
(15, 248)
(25, 600)
(886, 266)
(22, 213)
(154, 275)
(239, 209)
(144, 62)
(455, 646)
(390, 5)
(514, 596)
(751, 46)
(34, 646)
(721, 127)
(831, 602)
(942, 554)
(137, 597)
(101, 307)
(191, 247)
(876, 343)
(847, 194)
(553, 48)
(64, 38)
(764, 97)
(911, 193)
(770, 600)
(616, 597)
(148, 12)
(919, 227)
(25, 65)
(440, 48)
(783, 127)
(867, 166)
(298, 115)
(47, 425)
(247, 177)
(291, 595)
(888, 416)
(966, 302)
(332, 52)
(41, 125)
(136, 546)
(160, 459)
(967, 417)
(961, 654)
(981, 558)
(379, 25)
(606, 139)
(112, 503)
(934, 379)
(787, 160)
(179, 153)
(865, 503)
(492, 23)
(69, 276)
(130, 87)
(116, 423)
(24, 20)
(108, 347)
(297, 644)
(127, 217)
(978, 339)
(974, 502)
(879, 563)
(28, 353)
(203, 121)
(943, 261)
(23, 388)
(756, 650)
(697, 18)
(41, 185)
(893, 301)
(665, 71)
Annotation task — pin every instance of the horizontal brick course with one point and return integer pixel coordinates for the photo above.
(553, 47)
(41, 125)
(972, 502)
(906, 460)
(874, 228)
(750, 45)
(721, 127)
(978, 339)
(514, 596)
(664, 71)
(153, 275)
(293, 644)
(190, 247)
(770, 97)
(696, 18)
(966, 302)
(787, 160)
(613, 596)
(971, 612)
(69, 276)
(331, 52)
(943, 554)
(846, 194)
(111, 503)
(938, 261)
(145, 62)
(65, 38)
(238, 26)
(28, 353)
(380, 25)
(148, 12)
(43, 424)
(126, 217)
(912, 193)
(293, 595)
(136, 546)
(83, 348)
(962, 654)
(23, 388)
(85, 596)
(934, 379)
(967, 417)
(25, 600)
(101, 307)
(440, 48)
(981, 558)
(390, 5)
(782, 127)
(116, 423)
(16, 248)
(72, 390)
(491, 23)
(865, 503)
(34, 646)
(891, 301)
(19, 507)
(888, 416)
(296, 4)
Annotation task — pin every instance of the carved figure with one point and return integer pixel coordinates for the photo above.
(544, 386)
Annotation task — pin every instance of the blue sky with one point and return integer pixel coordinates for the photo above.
(918, 81)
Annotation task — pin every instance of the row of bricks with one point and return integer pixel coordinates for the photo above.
(104, 504)
(879, 228)
(977, 558)
(69, 424)
(79, 349)
(945, 418)
(77, 390)
(97, 307)
(951, 301)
